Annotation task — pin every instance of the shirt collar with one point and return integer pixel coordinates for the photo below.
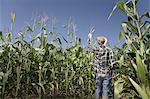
(102, 46)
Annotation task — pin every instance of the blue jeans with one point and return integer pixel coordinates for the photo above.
(102, 86)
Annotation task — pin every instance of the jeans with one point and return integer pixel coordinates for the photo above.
(102, 86)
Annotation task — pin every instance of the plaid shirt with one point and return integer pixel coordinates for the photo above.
(103, 60)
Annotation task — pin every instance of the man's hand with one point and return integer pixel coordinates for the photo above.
(89, 37)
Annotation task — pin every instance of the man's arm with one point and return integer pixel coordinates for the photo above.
(111, 59)
(90, 42)
(89, 45)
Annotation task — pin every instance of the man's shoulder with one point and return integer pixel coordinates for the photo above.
(96, 47)
(108, 48)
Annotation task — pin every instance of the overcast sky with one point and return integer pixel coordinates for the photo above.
(84, 13)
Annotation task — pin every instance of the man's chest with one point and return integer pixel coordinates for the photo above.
(100, 54)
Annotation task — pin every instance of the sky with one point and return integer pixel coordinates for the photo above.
(84, 13)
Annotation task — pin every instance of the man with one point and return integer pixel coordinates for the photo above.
(102, 64)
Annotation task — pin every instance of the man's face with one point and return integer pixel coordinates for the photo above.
(100, 40)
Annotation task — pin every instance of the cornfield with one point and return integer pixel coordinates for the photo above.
(49, 70)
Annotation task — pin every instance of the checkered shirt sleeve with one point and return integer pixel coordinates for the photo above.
(111, 58)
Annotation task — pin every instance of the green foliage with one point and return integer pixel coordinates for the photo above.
(50, 69)
(132, 58)
(47, 69)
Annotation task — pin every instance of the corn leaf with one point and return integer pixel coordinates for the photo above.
(139, 89)
(143, 24)
(134, 28)
(118, 87)
(146, 30)
(120, 35)
(147, 44)
(141, 70)
(13, 17)
(146, 14)
(119, 5)
(113, 10)
(1, 36)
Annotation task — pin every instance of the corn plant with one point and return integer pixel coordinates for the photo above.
(46, 69)
(132, 58)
